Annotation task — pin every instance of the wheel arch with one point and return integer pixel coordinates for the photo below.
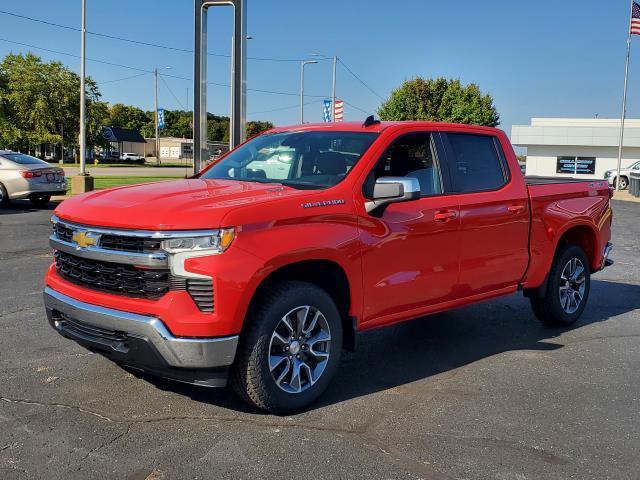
(324, 273)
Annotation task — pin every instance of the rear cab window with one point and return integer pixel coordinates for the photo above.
(476, 161)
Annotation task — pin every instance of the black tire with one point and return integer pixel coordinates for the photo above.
(251, 376)
(548, 307)
(4, 196)
(40, 200)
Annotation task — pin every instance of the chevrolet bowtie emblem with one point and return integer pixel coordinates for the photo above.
(85, 239)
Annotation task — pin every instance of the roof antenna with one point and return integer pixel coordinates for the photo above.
(370, 121)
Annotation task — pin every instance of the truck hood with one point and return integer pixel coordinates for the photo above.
(172, 205)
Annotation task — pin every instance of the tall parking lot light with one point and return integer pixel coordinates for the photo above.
(82, 182)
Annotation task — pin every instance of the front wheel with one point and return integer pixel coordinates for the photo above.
(567, 290)
(291, 350)
(624, 183)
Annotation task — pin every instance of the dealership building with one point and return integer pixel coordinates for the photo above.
(576, 147)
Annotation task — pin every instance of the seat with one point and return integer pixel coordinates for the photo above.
(331, 163)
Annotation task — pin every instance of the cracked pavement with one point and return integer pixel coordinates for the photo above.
(483, 392)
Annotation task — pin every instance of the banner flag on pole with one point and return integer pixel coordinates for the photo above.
(326, 113)
(338, 111)
(161, 118)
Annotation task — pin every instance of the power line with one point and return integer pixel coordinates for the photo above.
(361, 81)
(357, 108)
(171, 92)
(284, 108)
(113, 64)
(140, 42)
(123, 79)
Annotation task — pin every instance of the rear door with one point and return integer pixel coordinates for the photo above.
(494, 213)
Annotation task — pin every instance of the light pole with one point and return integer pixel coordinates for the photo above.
(82, 182)
(155, 103)
(302, 65)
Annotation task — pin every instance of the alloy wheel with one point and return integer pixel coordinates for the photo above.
(299, 349)
(572, 285)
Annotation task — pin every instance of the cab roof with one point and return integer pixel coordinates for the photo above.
(379, 127)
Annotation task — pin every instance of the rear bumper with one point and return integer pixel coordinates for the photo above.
(25, 189)
(141, 341)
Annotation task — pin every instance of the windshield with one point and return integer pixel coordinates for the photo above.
(299, 159)
(22, 159)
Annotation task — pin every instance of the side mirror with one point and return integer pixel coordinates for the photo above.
(388, 190)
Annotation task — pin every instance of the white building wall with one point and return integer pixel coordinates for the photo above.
(542, 160)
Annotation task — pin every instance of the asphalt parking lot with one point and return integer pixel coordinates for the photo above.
(484, 392)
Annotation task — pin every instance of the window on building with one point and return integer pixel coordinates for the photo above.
(477, 164)
(576, 165)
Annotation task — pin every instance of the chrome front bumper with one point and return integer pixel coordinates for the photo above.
(117, 332)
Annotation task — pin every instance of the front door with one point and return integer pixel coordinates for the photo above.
(411, 250)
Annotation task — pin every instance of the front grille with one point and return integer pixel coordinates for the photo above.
(130, 244)
(63, 232)
(112, 277)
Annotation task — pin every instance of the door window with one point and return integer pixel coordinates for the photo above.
(477, 164)
(412, 155)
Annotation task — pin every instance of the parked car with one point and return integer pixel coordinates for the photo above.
(24, 176)
(264, 281)
(612, 175)
(132, 157)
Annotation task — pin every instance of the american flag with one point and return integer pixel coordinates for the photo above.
(338, 111)
(635, 19)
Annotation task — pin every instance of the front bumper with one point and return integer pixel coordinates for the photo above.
(141, 341)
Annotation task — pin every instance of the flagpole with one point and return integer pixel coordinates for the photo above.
(624, 100)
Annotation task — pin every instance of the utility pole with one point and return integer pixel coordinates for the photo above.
(624, 101)
(155, 116)
(302, 65)
(333, 90)
(82, 182)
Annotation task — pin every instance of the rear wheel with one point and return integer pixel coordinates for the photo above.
(567, 290)
(292, 349)
(40, 200)
(4, 196)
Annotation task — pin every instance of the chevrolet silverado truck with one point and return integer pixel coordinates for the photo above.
(264, 267)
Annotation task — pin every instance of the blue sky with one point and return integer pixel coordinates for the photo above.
(544, 58)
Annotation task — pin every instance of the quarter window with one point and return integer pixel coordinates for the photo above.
(477, 164)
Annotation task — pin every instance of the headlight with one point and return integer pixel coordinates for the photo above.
(215, 243)
(607, 174)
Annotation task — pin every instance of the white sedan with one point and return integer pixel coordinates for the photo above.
(24, 176)
(612, 175)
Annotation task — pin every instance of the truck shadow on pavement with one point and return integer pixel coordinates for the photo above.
(422, 348)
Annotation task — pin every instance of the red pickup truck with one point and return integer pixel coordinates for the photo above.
(265, 266)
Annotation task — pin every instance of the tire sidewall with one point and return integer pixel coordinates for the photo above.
(299, 294)
(553, 296)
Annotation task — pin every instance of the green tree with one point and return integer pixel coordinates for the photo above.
(257, 127)
(440, 100)
(126, 116)
(40, 102)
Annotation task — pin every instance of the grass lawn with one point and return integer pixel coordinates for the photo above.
(107, 182)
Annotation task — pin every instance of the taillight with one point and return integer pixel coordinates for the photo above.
(61, 173)
(30, 174)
